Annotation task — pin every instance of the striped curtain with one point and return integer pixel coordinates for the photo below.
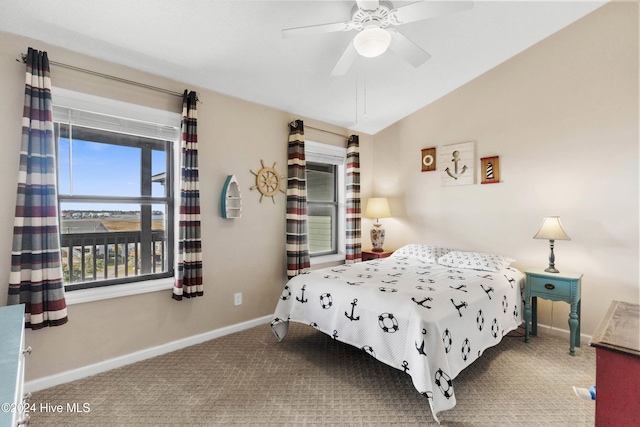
(189, 275)
(297, 240)
(36, 271)
(353, 227)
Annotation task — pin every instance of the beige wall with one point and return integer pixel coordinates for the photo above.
(563, 117)
(243, 255)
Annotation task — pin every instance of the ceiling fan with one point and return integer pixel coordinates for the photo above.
(372, 19)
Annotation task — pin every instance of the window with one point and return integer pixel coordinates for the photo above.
(322, 208)
(325, 201)
(115, 191)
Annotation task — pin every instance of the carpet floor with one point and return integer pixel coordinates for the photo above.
(308, 379)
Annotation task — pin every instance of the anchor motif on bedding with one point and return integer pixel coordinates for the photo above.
(422, 288)
(462, 288)
(421, 303)
(302, 299)
(421, 348)
(421, 280)
(486, 291)
(353, 308)
(354, 283)
(462, 304)
(511, 280)
(390, 282)
(456, 278)
(335, 335)
(405, 366)
(456, 159)
(487, 276)
(428, 394)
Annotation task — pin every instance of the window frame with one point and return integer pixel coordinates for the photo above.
(333, 205)
(131, 285)
(316, 152)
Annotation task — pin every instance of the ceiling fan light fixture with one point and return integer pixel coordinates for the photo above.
(372, 41)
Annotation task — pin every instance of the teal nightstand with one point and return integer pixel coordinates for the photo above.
(554, 287)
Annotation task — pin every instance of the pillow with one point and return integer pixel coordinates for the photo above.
(475, 261)
(424, 253)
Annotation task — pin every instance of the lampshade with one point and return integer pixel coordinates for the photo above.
(372, 41)
(377, 207)
(551, 229)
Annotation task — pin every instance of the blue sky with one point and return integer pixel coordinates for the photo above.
(105, 170)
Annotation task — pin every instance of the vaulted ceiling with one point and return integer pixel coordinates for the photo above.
(236, 48)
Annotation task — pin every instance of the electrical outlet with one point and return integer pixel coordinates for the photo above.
(237, 298)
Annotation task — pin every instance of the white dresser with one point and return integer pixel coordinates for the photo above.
(12, 353)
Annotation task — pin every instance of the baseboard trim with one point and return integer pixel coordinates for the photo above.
(564, 333)
(107, 365)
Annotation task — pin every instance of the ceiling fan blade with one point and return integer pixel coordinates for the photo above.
(426, 9)
(344, 63)
(411, 52)
(316, 29)
(368, 4)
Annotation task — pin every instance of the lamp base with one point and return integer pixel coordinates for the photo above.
(377, 237)
(552, 260)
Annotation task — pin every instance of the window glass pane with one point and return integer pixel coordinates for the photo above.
(104, 169)
(159, 230)
(81, 218)
(64, 183)
(158, 173)
(320, 182)
(159, 217)
(320, 222)
(112, 241)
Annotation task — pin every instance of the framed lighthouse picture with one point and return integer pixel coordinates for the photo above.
(490, 170)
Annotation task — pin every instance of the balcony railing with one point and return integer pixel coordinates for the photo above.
(92, 257)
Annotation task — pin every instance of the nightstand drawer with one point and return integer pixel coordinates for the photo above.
(543, 285)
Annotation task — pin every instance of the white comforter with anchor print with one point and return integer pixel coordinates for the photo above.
(427, 320)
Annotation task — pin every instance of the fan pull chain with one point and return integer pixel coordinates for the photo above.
(365, 99)
(356, 96)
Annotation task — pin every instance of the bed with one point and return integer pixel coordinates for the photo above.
(425, 310)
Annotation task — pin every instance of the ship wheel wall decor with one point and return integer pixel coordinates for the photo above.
(268, 181)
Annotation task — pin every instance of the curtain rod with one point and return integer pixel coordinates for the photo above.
(107, 76)
(326, 131)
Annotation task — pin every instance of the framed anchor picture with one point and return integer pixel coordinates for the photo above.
(456, 164)
(490, 170)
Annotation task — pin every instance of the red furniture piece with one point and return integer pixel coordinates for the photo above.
(617, 343)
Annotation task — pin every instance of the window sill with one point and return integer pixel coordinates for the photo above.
(107, 292)
(324, 259)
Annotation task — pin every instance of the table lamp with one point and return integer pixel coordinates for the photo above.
(551, 230)
(377, 207)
